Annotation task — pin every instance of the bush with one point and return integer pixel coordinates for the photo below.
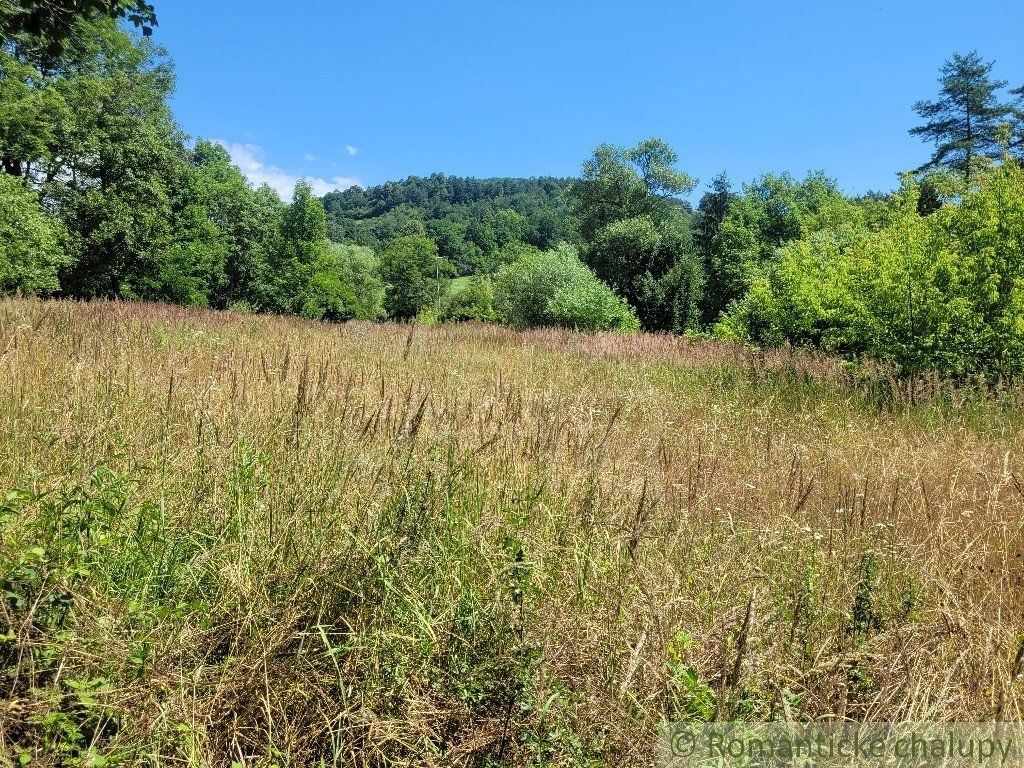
(654, 268)
(556, 288)
(347, 286)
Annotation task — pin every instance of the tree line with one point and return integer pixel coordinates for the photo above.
(102, 195)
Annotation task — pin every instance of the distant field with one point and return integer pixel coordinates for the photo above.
(236, 539)
(459, 284)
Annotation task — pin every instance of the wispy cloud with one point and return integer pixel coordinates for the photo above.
(353, 151)
(309, 158)
(249, 158)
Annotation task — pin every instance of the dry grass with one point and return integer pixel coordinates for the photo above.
(265, 541)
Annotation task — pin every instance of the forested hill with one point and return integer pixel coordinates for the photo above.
(469, 219)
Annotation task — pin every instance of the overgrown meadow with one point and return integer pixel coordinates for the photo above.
(229, 539)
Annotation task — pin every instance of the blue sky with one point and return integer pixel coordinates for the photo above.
(346, 92)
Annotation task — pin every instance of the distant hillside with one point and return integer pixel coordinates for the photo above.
(469, 218)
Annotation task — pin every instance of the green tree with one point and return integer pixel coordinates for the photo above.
(450, 235)
(31, 115)
(626, 254)
(107, 158)
(340, 282)
(480, 233)
(190, 258)
(301, 276)
(249, 220)
(711, 212)
(348, 288)
(48, 25)
(965, 120)
(943, 292)
(771, 212)
(636, 229)
(31, 247)
(508, 227)
(681, 294)
(474, 300)
(620, 184)
(360, 268)
(414, 276)
(546, 228)
(403, 221)
(930, 199)
(635, 258)
(1017, 125)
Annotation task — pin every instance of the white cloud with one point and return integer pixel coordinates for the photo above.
(249, 158)
(353, 151)
(321, 187)
(309, 158)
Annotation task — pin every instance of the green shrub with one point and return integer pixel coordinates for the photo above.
(653, 266)
(346, 285)
(557, 289)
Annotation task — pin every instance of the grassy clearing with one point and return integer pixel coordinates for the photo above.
(264, 541)
(459, 284)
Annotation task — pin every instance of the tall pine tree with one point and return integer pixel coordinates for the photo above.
(964, 122)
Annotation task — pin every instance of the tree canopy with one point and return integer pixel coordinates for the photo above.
(48, 26)
(470, 220)
(965, 121)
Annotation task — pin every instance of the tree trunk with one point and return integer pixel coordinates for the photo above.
(12, 166)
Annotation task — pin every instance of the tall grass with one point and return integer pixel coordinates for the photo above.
(233, 539)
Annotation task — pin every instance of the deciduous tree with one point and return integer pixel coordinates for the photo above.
(415, 276)
(31, 242)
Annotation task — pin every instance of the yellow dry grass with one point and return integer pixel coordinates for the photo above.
(278, 542)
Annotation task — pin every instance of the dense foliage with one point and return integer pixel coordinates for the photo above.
(104, 196)
(944, 292)
(412, 271)
(32, 252)
(556, 288)
(50, 25)
(469, 219)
